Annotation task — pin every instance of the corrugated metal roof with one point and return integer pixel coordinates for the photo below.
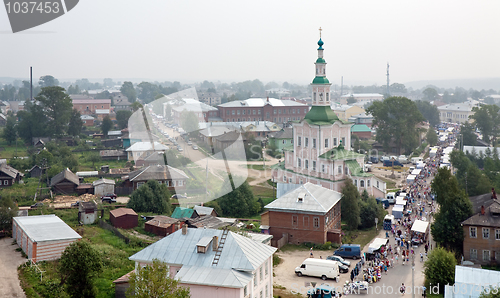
(239, 253)
(181, 212)
(214, 277)
(260, 102)
(146, 146)
(46, 228)
(202, 210)
(315, 198)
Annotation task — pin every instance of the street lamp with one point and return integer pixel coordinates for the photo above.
(413, 275)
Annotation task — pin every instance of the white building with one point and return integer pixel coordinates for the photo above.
(244, 268)
(470, 282)
(456, 112)
(321, 151)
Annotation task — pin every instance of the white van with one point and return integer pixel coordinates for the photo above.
(319, 268)
(391, 197)
(416, 160)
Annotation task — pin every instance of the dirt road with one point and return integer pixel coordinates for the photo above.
(10, 259)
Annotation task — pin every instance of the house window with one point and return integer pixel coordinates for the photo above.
(238, 112)
(261, 294)
(267, 267)
(307, 163)
(139, 184)
(305, 221)
(259, 112)
(244, 111)
(232, 112)
(275, 112)
(486, 255)
(378, 184)
(323, 168)
(334, 141)
(368, 183)
(473, 254)
(289, 180)
(295, 220)
(497, 234)
(267, 291)
(245, 291)
(314, 165)
(299, 163)
(343, 142)
(267, 115)
(486, 233)
(306, 142)
(356, 183)
(284, 178)
(293, 111)
(314, 143)
(261, 273)
(284, 141)
(361, 183)
(299, 141)
(316, 222)
(6, 182)
(305, 110)
(255, 281)
(326, 143)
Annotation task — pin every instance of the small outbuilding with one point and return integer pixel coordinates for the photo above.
(181, 212)
(87, 213)
(65, 182)
(202, 210)
(162, 225)
(42, 237)
(103, 186)
(124, 218)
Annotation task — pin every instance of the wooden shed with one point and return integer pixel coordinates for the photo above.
(42, 237)
(124, 218)
(162, 225)
(65, 182)
(87, 213)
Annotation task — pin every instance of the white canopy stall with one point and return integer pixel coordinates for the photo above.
(401, 201)
(416, 172)
(410, 179)
(375, 246)
(420, 230)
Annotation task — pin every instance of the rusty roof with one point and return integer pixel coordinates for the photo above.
(122, 211)
(162, 221)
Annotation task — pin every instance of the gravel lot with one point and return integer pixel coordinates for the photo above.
(10, 259)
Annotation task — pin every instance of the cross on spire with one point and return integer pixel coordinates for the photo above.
(320, 32)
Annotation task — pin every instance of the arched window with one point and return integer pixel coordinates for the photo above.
(362, 183)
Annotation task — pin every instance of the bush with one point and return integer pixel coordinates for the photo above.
(326, 246)
(276, 260)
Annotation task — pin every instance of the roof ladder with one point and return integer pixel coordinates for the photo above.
(220, 246)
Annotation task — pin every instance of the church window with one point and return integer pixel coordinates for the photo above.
(306, 162)
(334, 141)
(326, 143)
(306, 142)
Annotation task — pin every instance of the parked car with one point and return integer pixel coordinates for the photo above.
(374, 159)
(108, 200)
(384, 202)
(402, 159)
(178, 196)
(180, 149)
(390, 163)
(76, 204)
(343, 268)
(349, 251)
(190, 143)
(111, 195)
(195, 147)
(36, 205)
(339, 259)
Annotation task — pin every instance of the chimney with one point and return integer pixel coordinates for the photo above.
(482, 209)
(493, 194)
(184, 229)
(215, 243)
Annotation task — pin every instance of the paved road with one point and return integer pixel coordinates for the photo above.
(10, 259)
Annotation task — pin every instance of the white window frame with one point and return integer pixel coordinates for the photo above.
(472, 232)
(473, 254)
(486, 255)
(486, 233)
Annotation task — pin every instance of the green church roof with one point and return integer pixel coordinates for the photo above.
(339, 153)
(320, 115)
(320, 60)
(320, 80)
(360, 128)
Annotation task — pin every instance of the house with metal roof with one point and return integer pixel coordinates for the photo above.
(309, 213)
(42, 237)
(362, 131)
(214, 263)
(203, 210)
(181, 212)
(144, 149)
(103, 186)
(173, 178)
(281, 139)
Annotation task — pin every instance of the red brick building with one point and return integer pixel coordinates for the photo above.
(482, 234)
(262, 109)
(92, 106)
(310, 213)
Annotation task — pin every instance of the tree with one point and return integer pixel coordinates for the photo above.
(239, 202)
(398, 88)
(430, 112)
(351, 100)
(396, 119)
(468, 136)
(8, 210)
(350, 205)
(32, 122)
(440, 268)
(57, 107)
(430, 94)
(432, 137)
(455, 207)
(48, 81)
(122, 117)
(487, 120)
(128, 90)
(154, 281)
(135, 106)
(79, 265)
(189, 121)
(93, 157)
(492, 292)
(106, 125)
(151, 197)
(369, 210)
(147, 91)
(75, 123)
(9, 132)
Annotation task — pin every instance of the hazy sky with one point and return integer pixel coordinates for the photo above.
(191, 41)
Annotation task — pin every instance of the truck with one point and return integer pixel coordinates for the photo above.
(402, 159)
(319, 268)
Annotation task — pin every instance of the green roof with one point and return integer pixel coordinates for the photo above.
(181, 212)
(360, 128)
(355, 169)
(320, 80)
(320, 60)
(321, 115)
(339, 153)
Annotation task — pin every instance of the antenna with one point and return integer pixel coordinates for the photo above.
(320, 32)
(388, 92)
(31, 83)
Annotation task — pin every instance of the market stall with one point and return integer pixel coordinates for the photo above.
(377, 246)
(420, 231)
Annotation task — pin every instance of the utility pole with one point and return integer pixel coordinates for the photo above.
(388, 92)
(31, 83)
(413, 276)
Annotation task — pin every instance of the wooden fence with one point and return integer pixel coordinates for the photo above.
(279, 243)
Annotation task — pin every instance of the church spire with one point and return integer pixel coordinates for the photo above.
(320, 84)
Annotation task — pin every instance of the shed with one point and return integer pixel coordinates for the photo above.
(162, 225)
(202, 210)
(35, 171)
(42, 237)
(124, 218)
(181, 212)
(87, 213)
(103, 186)
(65, 182)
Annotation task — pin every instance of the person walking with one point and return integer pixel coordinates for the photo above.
(402, 289)
(311, 253)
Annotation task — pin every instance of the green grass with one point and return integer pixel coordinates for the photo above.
(361, 237)
(257, 167)
(9, 151)
(389, 183)
(264, 192)
(23, 194)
